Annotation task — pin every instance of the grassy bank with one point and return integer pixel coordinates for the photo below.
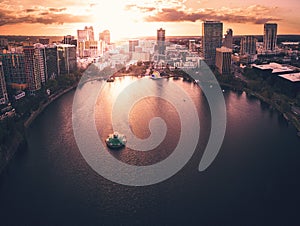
(13, 130)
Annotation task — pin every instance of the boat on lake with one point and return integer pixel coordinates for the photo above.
(156, 75)
(116, 140)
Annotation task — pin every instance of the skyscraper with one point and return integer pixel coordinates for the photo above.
(3, 91)
(90, 33)
(52, 61)
(211, 39)
(270, 36)
(223, 60)
(105, 36)
(228, 39)
(68, 39)
(248, 45)
(66, 58)
(14, 70)
(161, 41)
(35, 66)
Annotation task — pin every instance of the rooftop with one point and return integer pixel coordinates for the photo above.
(224, 50)
(294, 77)
(290, 43)
(275, 67)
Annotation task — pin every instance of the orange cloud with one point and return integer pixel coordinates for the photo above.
(41, 15)
(255, 14)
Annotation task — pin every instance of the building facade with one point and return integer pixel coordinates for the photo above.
(223, 60)
(192, 45)
(3, 91)
(228, 39)
(133, 44)
(52, 68)
(248, 45)
(105, 36)
(67, 58)
(34, 67)
(211, 39)
(161, 37)
(14, 70)
(270, 36)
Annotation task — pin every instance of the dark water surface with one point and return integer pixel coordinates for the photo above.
(253, 181)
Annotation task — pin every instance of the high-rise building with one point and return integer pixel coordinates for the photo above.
(3, 91)
(223, 60)
(228, 39)
(192, 45)
(67, 58)
(105, 36)
(68, 39)
(35, 66)
(211, 39)
(90, 32)
(161, 37)
(85, 35)
(40, 65)
(82, 36)
(14, 70)
(52, 61)
(248, 45)
(44, 41)
(270, 36)
(133, 44)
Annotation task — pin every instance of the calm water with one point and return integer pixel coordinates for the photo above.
(253, 181)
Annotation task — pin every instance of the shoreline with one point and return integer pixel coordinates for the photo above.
(287, 115)
(19, 139)
(42, 107)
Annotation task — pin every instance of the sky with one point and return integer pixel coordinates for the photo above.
(134, 18)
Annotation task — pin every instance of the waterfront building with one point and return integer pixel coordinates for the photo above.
(228, 39)
(271, 69)
(40, 65)
(289, 83)
(211, 39)
(67, 58)
(14, 70)
(35, 66)
(3, 91)
(52, 68)
(270, 37)
(223, 60)
(161, 37)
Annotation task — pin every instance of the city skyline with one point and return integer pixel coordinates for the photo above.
(141, 18)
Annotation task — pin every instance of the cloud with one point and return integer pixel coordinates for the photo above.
(143, 9)
(256, 14)
(43, 15)
(57, 10)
